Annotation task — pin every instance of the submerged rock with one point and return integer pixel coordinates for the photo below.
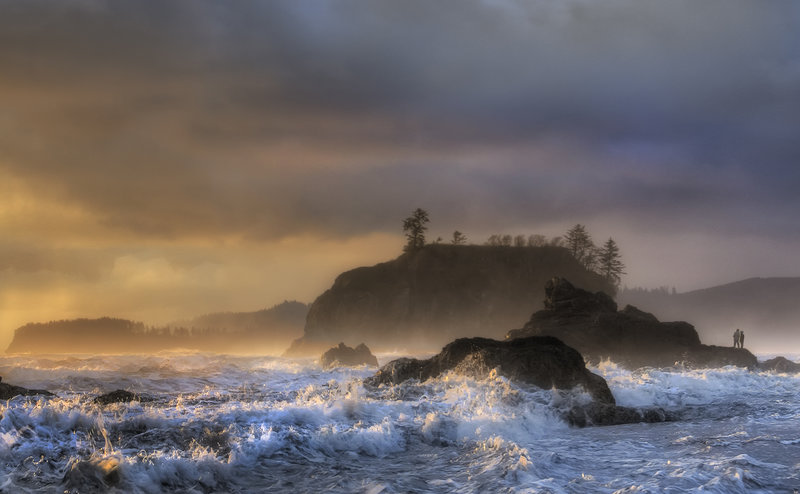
(779, 364)
(120, 396)
(606, 414)
(543, 361)
(8, 391)
(591, 323)
(347, 356)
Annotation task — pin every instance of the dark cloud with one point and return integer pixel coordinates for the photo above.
(273, 118)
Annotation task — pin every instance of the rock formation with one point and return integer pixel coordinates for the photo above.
(543, 361)
(8, 391)
(347, 356)
(425, 299)
(779, 364)
(120, 396)
(591, 323)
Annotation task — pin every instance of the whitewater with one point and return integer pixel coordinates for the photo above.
(246, 424)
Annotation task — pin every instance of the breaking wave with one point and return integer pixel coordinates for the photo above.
(218, 423)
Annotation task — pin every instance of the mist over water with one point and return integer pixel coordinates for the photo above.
(221, 423)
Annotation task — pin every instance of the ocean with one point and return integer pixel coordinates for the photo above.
(246, 424)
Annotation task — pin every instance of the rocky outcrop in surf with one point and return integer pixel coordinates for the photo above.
(543, 361)
(433, 295)
(591, 323)
(121, 396)
(343, 355)
(8, 391)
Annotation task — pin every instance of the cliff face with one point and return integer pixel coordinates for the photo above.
(590, 323)
(425, 299)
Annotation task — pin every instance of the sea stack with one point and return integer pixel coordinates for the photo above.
(591, 323)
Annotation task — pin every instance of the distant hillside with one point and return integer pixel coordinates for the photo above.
(767, 309)
(429, 297)
(264, 331)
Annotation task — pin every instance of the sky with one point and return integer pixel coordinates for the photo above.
(160, 160)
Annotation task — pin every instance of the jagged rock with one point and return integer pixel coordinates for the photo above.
(779, 364)
(431, 296)
(120, 396)
(591, 323)
(347, 356)
(8, 391)
(542, 361)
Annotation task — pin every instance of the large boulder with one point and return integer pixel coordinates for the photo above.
(347, 356)
(542, 361)
(591, 323)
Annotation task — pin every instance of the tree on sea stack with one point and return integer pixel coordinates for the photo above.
(611, 267)
(414, 227)
(580, 244)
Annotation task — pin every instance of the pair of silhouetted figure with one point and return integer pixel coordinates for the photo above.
(738, 338)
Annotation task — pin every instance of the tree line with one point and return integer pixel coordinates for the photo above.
(604, 260)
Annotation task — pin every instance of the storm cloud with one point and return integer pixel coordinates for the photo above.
(200, 126)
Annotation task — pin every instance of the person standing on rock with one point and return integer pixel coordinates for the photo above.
(741, 339)
(736, 338)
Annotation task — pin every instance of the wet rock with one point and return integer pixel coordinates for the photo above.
(343, 355)
(779, 364)
(607, 414)
(120, 396)
(8, 391)
(95, 475)
(542, 361)
(591, 323)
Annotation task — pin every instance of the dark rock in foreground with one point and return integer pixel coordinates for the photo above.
(120, 396)
(542, 361)
(779, 364)
(347, 356)
(591, 323)
(8, 391)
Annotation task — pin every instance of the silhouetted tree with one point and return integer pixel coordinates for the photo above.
(414, 228)
(506, 240)
(458, 238)
(609, 262)
(494, 240)
(580, 244)
(536, 240)
(519, 241)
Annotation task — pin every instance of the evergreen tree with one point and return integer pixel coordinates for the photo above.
(459, 238)
(581, 246)
(609, 262)
(414, 227)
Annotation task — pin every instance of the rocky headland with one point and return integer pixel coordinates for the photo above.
(431, 296)
(591, 323)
